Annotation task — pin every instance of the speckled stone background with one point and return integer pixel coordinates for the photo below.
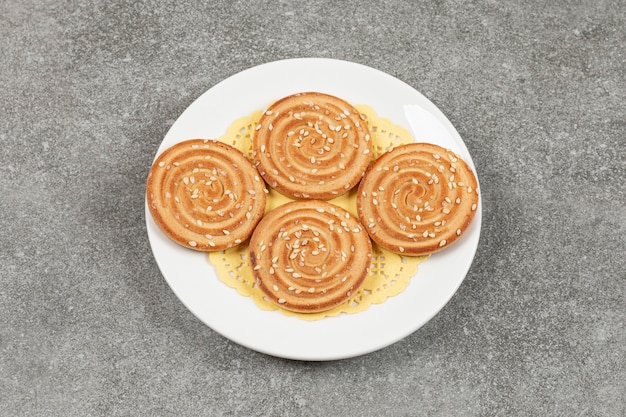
(88, 326)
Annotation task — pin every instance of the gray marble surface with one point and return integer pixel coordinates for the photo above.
(89, 327)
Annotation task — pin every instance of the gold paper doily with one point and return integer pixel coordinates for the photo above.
(390, 273)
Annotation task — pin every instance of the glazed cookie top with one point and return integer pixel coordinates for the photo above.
(309, 256)
(205, 195)
(417, 199)
(312, 146)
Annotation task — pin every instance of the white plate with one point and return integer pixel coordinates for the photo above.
(220, 307)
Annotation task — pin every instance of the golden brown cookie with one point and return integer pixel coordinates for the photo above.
(312, 146)
(205, 195)
(309, 256)
(417, 199)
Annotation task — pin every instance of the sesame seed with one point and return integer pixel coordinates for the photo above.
(282, 301)
(193, 244)
(161, 164)
(442, 243)
(474, 206)
(458, 232)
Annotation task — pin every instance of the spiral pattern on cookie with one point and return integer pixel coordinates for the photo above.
(312, 146)
(309, 256)
(417, 199)
(205, 195)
